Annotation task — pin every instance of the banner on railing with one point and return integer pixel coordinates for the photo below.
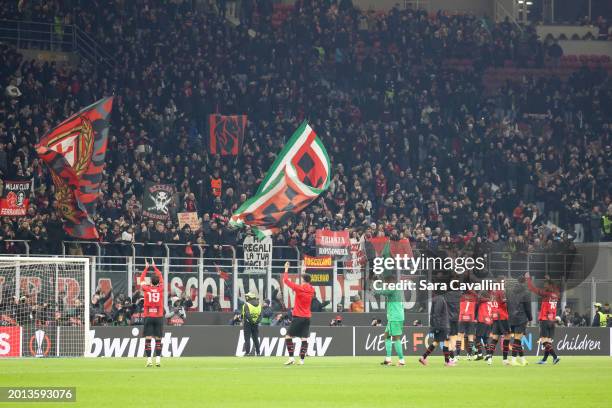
(357, 260)
(157, 201)
(332, 243)
(257, 254)
(15, 199)
(320, 269)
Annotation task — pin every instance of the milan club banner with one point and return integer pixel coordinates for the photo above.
(158, 201)
(74, 152)
(320, 269)
(201, 341)
(226, 134)
(257, 255)
(332, 243)
(15, 199)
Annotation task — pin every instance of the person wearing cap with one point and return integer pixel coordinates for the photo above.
(601, 317)
(251, 317)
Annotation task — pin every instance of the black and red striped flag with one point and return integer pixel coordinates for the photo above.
(74, 152)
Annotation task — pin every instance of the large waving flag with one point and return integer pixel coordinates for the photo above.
(74, 152)
(300, 173)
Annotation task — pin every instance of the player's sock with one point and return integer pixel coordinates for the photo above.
(446, 354)
(517, 348)
(551, 351)
(505, 348)
(546, 351)
(303, 349)
(290, 346)
(492, 346)
(451, 353)
(479, 347)
(148, 347)
(158, 348)
(388, 348)
(470, 347)
(429, 350)
(398, 349)
(458, 347)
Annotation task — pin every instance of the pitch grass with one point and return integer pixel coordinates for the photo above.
(322, 382)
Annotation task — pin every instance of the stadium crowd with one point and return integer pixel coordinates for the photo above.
(419, 149)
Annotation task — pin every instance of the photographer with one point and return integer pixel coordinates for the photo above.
(266, 313)
(22, 310)
(122, 311)
(176, 314)
(97, 314)
(236, 319)
(71, 316)
(137, 309)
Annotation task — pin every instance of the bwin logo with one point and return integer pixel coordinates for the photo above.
(133, 347)
(275, 346)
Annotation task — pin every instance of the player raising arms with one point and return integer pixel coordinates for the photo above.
(395, 322)
(300, 324)
(519, 308)
(467, 322)
(501, 327)
(153, 312)
(547, 316)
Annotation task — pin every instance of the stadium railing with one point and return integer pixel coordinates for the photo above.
(202, 271)
(55, 37)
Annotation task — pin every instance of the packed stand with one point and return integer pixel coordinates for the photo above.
(418, 150)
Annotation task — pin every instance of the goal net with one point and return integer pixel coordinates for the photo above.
(44, 306)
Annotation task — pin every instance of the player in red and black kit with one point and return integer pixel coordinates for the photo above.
(300, 324)
(153, 312)
(467, 322)
(485, 322)
(548, 315)
(501, 327)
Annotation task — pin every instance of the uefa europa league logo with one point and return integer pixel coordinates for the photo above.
(40, 337)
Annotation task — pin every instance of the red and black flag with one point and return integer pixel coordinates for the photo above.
(74, 152)
(226, 134)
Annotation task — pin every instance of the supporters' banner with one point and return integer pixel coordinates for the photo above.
(227, 134)
(300, 173)
(15, 198)
(320, 269)
(332, 243)
(189, 218)
(257, 254)
(75, 151)
(357, 259)
(157, 201)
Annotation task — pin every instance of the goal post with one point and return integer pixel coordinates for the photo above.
(44, 306)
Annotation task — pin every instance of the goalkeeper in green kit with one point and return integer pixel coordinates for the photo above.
(395, 321)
